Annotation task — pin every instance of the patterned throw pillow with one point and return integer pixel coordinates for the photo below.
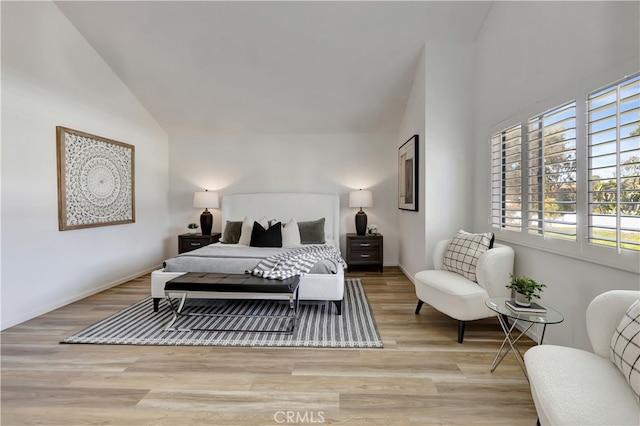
(463, 251)
(625, 347)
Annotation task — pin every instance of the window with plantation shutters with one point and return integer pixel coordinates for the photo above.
(506, 175)
(551, 173)
(567, 180)
(613, 127)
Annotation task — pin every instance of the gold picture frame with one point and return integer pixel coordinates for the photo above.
(96, 180)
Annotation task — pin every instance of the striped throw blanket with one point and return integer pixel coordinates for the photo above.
(296, 262)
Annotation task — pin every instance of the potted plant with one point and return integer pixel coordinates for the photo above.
(526, 289)
(192, 227)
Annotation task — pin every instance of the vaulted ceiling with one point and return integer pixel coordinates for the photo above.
(271, 67)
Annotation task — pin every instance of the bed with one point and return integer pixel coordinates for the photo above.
(322, 283)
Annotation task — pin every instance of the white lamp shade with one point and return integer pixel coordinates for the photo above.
(360, 199)
(206, 200)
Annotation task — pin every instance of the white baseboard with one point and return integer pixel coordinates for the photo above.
(60, 303)
(406, 273)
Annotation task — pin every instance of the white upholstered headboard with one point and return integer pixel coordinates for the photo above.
(285, 206)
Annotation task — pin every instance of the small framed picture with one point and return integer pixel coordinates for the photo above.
(408, 175)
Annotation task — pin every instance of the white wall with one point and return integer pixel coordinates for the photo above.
(531, 56)
(411, 225)
(439, 109)
(51, 76)
(449, 161)
(322, 163)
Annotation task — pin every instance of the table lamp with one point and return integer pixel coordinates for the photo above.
(205, 199)
(361, 199)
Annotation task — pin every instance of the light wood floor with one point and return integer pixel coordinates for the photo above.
(422, 376)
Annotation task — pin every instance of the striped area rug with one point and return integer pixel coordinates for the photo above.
(317, 326)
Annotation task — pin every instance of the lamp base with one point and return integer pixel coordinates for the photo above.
(206, 222)
(361, 222)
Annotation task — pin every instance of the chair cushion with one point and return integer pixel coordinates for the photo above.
(463, 251)
(452, 294)
(575, 387)
(625, 347)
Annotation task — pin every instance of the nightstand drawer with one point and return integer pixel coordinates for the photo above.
(188, 242)
(364, 244)
(373, 256)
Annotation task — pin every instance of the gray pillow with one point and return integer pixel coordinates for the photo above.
(232, 231)
(312, 232)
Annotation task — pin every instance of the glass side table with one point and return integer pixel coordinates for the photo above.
(497, 304)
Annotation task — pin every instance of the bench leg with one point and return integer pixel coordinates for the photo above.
(419, 306)
(338, 304)
(176, 312)
(294, 305)
(156, 303)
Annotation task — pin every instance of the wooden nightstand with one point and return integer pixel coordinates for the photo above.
(188, 242)
(364, 250)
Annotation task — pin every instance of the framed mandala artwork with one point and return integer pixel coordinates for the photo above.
(95, 180)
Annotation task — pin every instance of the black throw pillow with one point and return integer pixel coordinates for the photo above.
(271, 237)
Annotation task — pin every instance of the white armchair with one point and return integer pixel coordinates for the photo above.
(458, 297)
(571, 386)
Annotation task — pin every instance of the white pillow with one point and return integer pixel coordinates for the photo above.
(290, 234)
(625, 347)
(247, 228)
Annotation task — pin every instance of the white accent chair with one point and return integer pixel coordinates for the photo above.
(458, 297)
(575, 387)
